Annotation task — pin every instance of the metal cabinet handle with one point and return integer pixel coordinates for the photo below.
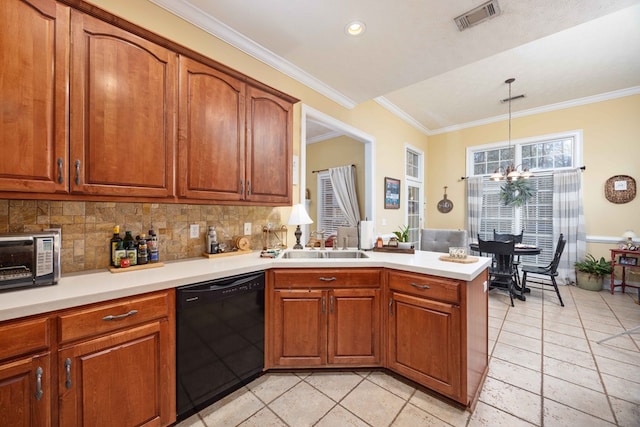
(77, 172)
(120, 316)
(328, 279)
(390, 306)
(39, 392)
(331, 304)
(324, 305)
(248, 188)
(60, 178)
(67, 369)
(241, 187)
(415, 285)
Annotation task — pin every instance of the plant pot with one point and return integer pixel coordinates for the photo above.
(588, 281)
(404, 245)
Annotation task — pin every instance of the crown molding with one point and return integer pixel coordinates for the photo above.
(211, 25)
(544, 109)
(384, 102)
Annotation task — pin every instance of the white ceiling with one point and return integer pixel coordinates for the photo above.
(413, 60)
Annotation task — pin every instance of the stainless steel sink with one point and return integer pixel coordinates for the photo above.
(301, 254)
(346, 254)
(323, 254)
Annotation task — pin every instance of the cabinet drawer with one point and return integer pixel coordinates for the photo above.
(23, 337)
(326, 278)
(426, 286)
(99, 319)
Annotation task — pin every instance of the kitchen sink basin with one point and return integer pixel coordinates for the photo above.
(319, 254)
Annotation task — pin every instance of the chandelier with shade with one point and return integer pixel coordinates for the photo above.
(511, 172)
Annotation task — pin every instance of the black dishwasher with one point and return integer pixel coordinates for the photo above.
(219, 339)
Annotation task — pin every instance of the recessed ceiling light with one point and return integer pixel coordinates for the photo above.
(355, 28)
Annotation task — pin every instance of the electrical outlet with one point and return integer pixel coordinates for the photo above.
(384, 221)
(247, 228)
(194, 231)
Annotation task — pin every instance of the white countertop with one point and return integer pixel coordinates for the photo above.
(102, 285)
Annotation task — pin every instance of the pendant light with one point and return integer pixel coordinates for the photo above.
(511, 172)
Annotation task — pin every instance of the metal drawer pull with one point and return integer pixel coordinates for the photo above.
(328, 279)
(39, 392)
(390, 306)
(77, 172)
(331, 304)
(415, 285)
(67, 368)
(324, 306)
(60, 179)
(120, 316)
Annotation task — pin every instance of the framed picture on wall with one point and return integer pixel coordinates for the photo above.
(391, 193)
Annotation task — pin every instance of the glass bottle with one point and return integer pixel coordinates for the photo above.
(143, 255)
(152, 246)
(130, 247)
(113, 244)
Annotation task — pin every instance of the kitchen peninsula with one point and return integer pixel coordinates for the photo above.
(418, 316)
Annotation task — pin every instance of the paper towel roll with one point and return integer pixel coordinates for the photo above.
(367, 235)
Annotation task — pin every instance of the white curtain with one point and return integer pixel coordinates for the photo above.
(568, 219)
(475, 190)
(343, 181)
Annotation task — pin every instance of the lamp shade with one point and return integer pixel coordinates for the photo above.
(630, 235)
(299, 215)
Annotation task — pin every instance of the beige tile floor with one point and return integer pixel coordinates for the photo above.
(546, 369)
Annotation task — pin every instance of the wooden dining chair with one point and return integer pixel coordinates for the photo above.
(501, 269)
(545, 276)
(517, 238)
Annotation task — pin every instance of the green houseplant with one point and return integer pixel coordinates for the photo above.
(403, 237)
(591, 271)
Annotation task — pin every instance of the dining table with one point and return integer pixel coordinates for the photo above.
(519, 249)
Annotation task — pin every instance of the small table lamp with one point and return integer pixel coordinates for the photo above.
(299, 217)
(629, 235)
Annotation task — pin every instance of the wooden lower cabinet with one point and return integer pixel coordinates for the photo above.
(25, 391)
(437, 332)
(106, 364)
(25, 373)
(124, 375)
(316, 318)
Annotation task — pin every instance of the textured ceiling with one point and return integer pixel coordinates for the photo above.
(414, 60)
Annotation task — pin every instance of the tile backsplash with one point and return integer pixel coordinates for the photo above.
(87, 227)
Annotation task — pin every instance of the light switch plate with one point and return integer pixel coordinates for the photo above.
(194, 231)
(247, 228)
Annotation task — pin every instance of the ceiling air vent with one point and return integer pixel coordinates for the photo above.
(477, 15)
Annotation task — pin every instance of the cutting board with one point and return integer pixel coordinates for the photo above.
(467, 260)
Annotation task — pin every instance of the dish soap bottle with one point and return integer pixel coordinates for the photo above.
(212, 241)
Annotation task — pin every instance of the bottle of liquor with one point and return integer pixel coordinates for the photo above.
(152, 246)
(113, 245)
(130, 247)
(120, 253)
(143, 255)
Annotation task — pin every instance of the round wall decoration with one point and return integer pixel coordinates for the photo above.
(445, 205)
(620, 189)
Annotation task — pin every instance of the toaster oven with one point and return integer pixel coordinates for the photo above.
(29, 259)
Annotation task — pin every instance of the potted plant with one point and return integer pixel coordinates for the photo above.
(403, 237)
(591, 271)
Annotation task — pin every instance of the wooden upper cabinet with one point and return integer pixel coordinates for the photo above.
(122, 104)
(34, 40)
(211, 145)
(269, 147)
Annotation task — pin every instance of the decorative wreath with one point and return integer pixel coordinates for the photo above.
(516, 192)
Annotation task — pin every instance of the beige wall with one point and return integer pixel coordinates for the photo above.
(611, 132)
(331, 153)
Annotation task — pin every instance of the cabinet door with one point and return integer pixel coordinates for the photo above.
(34, 40)
(25, 392)
(354, 327)
(269, 148)
(211, 155)
(122, 103)
(425, 343)
(122, 379)
(299, 328)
